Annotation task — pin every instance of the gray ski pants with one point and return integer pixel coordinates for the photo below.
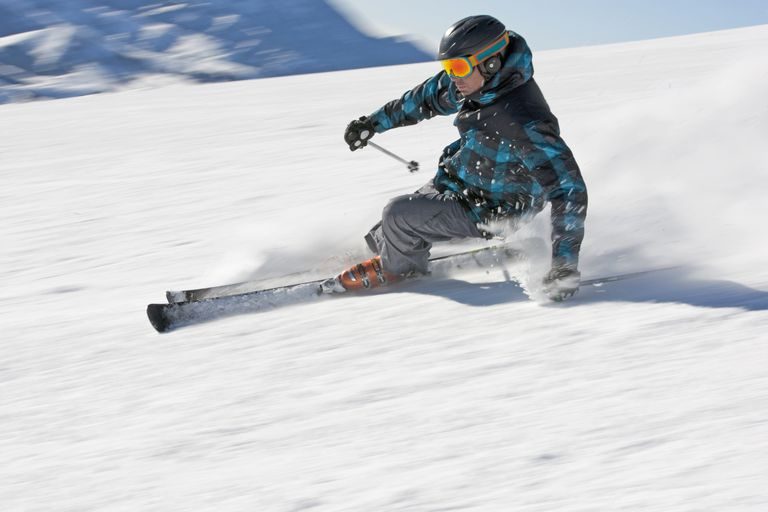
(411, 223)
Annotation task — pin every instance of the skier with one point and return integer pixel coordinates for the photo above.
(508, 162)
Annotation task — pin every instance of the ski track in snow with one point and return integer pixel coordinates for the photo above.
(459, 394)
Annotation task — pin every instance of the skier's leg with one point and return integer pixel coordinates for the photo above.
(411, 223)
(374, 238)
(403, 238)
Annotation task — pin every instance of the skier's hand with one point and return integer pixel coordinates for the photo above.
(358, 133)
(561, 283)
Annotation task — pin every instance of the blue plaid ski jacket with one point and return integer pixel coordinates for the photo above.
(509, 160)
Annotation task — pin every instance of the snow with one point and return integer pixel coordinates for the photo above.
(455, 394)
(46, 45)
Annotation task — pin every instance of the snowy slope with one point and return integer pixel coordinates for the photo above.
(459, 394)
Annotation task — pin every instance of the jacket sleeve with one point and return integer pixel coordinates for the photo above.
(435, 96)
(569, 211)
(559, 174)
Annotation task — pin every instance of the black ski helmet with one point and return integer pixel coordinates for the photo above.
(469, 36)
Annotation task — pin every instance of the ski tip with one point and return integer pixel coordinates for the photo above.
(174, 297)
(157, 317)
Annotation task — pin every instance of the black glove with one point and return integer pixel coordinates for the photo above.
(561, 283)
(358, 133)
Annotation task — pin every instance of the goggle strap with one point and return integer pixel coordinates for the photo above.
(495, 47)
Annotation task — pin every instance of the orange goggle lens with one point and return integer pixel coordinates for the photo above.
(463, 66)
(457, 67)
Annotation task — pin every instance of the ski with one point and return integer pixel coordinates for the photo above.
(207, 304)
(482, 256)
(229, 289)
(165, 317)
(204, 306)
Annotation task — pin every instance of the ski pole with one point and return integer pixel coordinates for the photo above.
(413, 166)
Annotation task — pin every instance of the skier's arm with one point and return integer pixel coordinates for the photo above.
(435, 96)
(569, 211)
(557, 171)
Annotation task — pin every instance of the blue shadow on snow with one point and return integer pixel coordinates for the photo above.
(667, 286)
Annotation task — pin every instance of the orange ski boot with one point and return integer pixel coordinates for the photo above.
(363, 276)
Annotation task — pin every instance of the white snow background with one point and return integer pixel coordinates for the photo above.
(458, 394)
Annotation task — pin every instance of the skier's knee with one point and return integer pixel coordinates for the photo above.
(398, 208)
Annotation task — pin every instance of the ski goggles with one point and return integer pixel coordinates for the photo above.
(462, 67)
